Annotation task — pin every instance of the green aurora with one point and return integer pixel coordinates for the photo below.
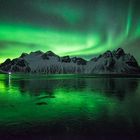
(82, 28)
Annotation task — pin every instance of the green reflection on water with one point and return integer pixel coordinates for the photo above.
(16, 106)
(30, 100)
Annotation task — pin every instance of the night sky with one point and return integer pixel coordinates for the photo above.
(82, 28)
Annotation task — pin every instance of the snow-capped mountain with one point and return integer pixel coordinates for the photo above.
(113, 62)
(116, 62)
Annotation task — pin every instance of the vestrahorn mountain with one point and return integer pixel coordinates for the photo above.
(111, 62)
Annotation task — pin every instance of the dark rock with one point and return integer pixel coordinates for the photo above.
(6, 66)
(94, 59)
(21, 63)
(119, 52)
(23, 55)
(7, 62)
(74, 59)
(107, 54)
(132, 62)
(15, 69)
(14, 61)
(79, 61)
(50, 53)
(110, 63)
(66, 59)
(16, 65)
(37, 52)
(45, 56)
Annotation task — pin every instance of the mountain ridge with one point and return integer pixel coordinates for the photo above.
(110, 62)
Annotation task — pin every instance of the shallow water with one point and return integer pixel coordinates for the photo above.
(39, 106)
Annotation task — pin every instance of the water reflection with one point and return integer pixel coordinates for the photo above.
(69, 105)
(118, 87)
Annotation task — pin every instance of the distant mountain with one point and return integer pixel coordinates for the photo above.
(114, 62)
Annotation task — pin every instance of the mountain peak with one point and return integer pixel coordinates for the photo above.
(50, 53)
(107, 54)
(23, 55)
(116, 62)
(119, 52)
(37, 52)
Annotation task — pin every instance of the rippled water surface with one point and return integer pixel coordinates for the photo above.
(69, 105)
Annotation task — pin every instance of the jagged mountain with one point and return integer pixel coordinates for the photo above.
(115, 62)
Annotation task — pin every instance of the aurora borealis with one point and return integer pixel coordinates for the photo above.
(83, 28)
